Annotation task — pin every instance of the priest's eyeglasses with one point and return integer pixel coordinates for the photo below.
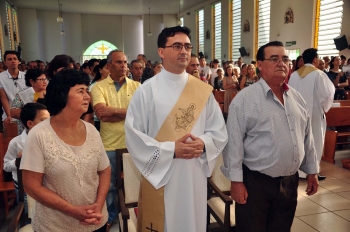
(179, 46)
(277, 60)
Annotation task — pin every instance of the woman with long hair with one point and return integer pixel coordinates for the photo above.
(250, 78)
(230, 84)
(338, 77)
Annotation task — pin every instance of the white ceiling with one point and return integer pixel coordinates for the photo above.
(114, 7)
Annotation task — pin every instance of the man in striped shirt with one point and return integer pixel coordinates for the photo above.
(269, 140)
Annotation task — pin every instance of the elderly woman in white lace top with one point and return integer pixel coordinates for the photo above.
(65, 166)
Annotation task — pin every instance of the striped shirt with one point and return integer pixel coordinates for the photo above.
(267, 136)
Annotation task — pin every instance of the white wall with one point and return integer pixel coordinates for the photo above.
(41, 39)
(345, 27)
(301, 31)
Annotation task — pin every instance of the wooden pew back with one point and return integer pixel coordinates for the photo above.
(338, 116)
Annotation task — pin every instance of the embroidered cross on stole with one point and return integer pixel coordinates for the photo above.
(179, 122)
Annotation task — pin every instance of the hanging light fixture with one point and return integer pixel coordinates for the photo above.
(149, 22)
(59, 18)
(179, 21)
(62, 31)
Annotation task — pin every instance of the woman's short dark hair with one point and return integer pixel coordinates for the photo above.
(58, 88)
(29, 112)
(32, 74)
(97, 68)
(59, 61)
(170, 32)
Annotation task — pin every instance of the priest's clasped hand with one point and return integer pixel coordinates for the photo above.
(188, 147)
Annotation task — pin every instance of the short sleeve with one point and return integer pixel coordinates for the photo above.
(97, 95)
(33, 154)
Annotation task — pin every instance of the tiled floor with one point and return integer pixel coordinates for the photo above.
(327, 211)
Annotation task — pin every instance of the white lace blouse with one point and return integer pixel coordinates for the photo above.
(69, 171)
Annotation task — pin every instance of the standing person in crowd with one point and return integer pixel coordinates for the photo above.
(64, 165)
(338, 78)
(136, 69)
(11, 82)
(299, 63)
(157, 68)
(250, 78)
(174, 154)
(240, 62)
(193, 66)
(218, 82)
(326, 63)
(204, 70)
(318, 92)
(147, 71)
(110, 99)
(269, 139)
(213, 71)
(321, 65)
(36, 81)
(60, 62)
(243, 73)
(230, 84)
(343, 61)
(102, 72)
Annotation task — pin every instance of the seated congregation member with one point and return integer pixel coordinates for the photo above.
(214, 67)
(36, 81)
(64, 165)
(269, 139)
(174, 159)
(30, 115)
(230, 84)
(250, 78)
(338, 78)
(218, 85)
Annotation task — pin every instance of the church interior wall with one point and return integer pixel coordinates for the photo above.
(41, 39)
(301, 30)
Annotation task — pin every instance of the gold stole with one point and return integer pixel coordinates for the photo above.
(303, 71)
(179, 122)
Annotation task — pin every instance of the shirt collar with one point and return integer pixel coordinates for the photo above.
(24, 135)
(10, 77)
(266, 87)
(311, 65)
(111, 81)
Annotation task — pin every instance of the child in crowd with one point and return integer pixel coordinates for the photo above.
(31, 114)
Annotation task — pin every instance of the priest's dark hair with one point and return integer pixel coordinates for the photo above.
(309, 55)
(58, 88)
(29, 112)
(260, 55)
(170, 32)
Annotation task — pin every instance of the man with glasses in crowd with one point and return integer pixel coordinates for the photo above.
(174, 132)
(270, 138)
(318, 92)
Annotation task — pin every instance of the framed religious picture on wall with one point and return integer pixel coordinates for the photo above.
(246, 26)
(288, 16)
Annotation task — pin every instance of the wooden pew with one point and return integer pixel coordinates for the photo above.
(336, 117)
(343, 102)
(220, 98)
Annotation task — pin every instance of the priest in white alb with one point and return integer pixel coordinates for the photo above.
(174, 132)
(318, 92)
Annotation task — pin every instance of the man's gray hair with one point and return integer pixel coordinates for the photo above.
(109, 56)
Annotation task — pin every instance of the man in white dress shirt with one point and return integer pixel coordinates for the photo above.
(269, 140)
(318, 92)
(11, 82)
(174, 132)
